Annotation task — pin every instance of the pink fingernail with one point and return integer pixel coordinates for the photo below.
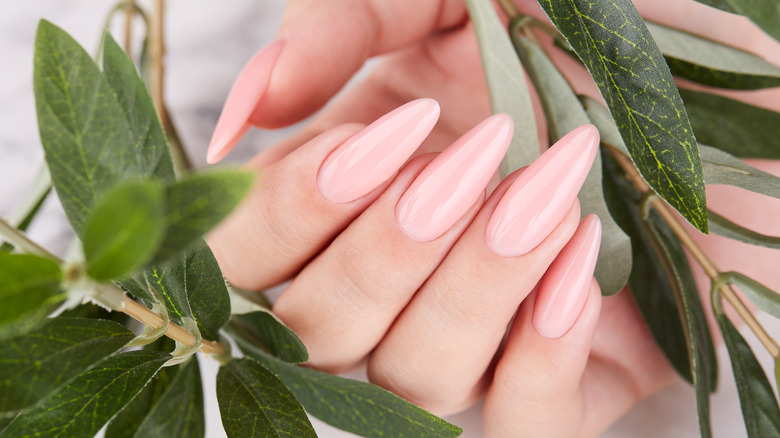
(542, 195)
(453, 181)
(373, 155)
(564, 287)
(247, 91)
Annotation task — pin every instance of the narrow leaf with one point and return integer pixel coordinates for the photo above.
(358, 407)
(264, 330)
(764, 13)
(711, 63)
(612, 41)
(759, 405)
(81, 407)
(124, 230)
(723, 227)
(506, 83)
(763, 297)
(34, 364)
(254, 403)
(179, 413)
(720, 4)
(29, 290)
(724, 169)
(565, 113)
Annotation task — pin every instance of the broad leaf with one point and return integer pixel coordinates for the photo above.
(124, 230)
(764, 13)
(179, 412)
(723, 227)
(759, 405)
(763, 297)
(612, 41)
(29, 290)
(34, 364)
(264, 330)
(81, 407)
(506, 83)
(711, 63)
(358, 407)
(565, 113)
(254, 403)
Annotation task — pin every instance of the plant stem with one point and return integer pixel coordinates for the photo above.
(701, 257)
(129, 15)
(509, 8)
(23, 243)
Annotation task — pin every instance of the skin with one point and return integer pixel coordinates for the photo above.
(430, 319)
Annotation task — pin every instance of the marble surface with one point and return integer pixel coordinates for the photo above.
(208, 42)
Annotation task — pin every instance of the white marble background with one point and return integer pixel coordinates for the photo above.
(208, 42)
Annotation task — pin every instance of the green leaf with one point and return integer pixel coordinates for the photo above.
(565, 113)
(763, 297)
(743, 130)
(720, 4)
(764, 13)
(723, 227)
(139, 111)
(358, 407)
(711, 63)
(254, 403)
(724, 169)
(34, 364)
(618, 50)
(179, 412)
(197, 203)
(264, 330)
(759, 406)
(29, 290)
(81, 407)
(124, 230)
(506, 83)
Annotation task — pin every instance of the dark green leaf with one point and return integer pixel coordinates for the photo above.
(508, 90)
(764, 298)
(723, 227)
(764, 13)
(618, 50)
(34, 364)
(254, 403)
(138, 108)
(565, 113)
(358, 407)
(711, 63)
(743, 130)
(197, 203)
(124, 230)
(81, 407)
(29, 290)
(720, 4)
(264, 330)
(136, 286)
(759, 406)
(179, 413)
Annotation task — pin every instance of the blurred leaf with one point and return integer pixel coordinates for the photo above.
(124, 230)
(759, 406)
(720, 4)
(565, 113)
(254, 403)
(358, 407)
(763, 297)
(34, 364)
(29, 290)
(506, 83)
(264, 330)
(81, 407)
(764, 13)
(723, 227)
(618, 50)
(179, 412)
(711, 63)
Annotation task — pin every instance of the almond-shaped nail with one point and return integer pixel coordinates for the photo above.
(563, 290)
(540, 197)
(373, 155)
(451, 183)
(246, 92)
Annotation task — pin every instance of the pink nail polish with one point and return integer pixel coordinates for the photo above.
(564, 288)
(246, 92)
(373, 155)
(541, 196)
(453, 181)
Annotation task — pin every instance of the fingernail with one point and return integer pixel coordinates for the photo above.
(373, 155)
(564, 287)
(542, 195)
(247, 91)
(453, 181)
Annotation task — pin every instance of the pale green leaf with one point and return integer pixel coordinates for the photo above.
(723, 227)
(763, 297)
(29, 290)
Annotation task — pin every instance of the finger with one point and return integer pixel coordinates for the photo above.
(344, 301)
(305, 199)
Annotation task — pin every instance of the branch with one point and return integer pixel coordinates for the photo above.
(129, 15)
(23, 243)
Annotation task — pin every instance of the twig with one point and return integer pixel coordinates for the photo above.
(129, 15)
(21, 241)
(701, 257)
(509, 8)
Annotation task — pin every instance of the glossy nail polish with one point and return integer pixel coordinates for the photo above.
(451, 183)
(373, 155)
(542, 195)
(563, 290)
(247, 91)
